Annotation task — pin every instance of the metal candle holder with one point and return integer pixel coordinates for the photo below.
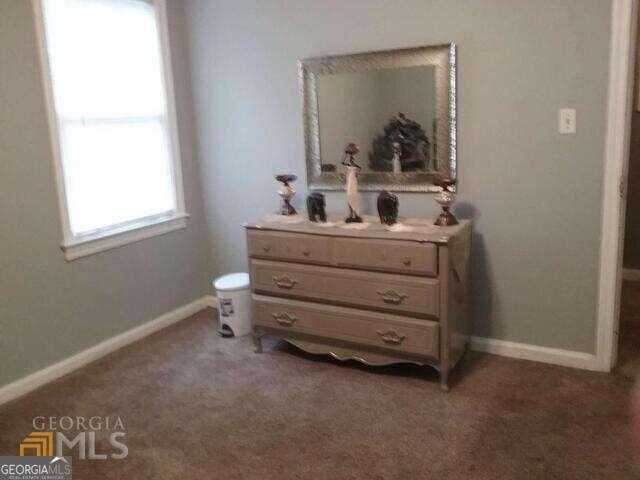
(445, 198)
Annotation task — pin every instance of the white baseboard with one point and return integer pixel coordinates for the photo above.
(631, 274)
(37, 379)
(41, 377)
(555, 356)
(211, 301)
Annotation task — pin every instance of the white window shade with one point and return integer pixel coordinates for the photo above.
(108, 84)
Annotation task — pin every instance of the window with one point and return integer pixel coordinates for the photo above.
(106, 68)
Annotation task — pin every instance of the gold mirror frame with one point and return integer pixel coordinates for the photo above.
(442, 57)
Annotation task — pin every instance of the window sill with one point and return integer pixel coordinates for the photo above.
(82, 247)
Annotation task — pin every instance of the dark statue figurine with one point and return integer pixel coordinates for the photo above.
(388, 207)
(315, 207)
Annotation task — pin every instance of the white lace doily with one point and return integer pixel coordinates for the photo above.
(272, 217)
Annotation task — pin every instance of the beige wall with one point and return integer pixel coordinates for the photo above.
(51, 309)
(535, 195)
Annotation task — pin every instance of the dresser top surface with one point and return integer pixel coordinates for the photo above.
(414, 229)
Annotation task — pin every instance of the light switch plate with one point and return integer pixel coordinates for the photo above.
(567, 120)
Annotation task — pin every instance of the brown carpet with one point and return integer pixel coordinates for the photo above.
(195, 405)
(630, 302)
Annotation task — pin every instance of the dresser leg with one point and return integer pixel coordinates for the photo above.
(444, 380)
(257, 341)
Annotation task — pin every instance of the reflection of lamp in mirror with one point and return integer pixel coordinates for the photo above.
(395, 161)
(286, 192)
(445, 198)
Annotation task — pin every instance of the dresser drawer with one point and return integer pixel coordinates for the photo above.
(289, 246)
(388, 255)
(382, 291)
(347, 324)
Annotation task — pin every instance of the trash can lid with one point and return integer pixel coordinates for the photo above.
(232, 281)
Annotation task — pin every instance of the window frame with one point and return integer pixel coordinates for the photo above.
(77, 246)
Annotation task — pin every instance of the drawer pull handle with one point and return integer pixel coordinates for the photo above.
(285, 319)
(284, 282)
(306, 253)
(391, 337)
(266, 248)
(407, 262)
(393, 297)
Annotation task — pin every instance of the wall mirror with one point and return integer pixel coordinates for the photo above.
(398, 106)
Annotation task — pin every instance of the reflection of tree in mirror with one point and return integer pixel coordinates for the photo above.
(411, 146)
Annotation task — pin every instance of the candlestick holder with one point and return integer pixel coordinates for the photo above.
(445, 198)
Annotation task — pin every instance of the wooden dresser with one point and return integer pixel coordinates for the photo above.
(374, 295)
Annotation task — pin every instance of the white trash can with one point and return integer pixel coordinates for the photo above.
(234, 304)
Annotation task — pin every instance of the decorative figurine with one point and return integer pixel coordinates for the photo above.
(315, 207)
(287, 192)
(353, 169)
(388, 207)
(445, 198)
(395, 161)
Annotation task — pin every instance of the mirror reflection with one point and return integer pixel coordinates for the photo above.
(388, 113)
(398, 106)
